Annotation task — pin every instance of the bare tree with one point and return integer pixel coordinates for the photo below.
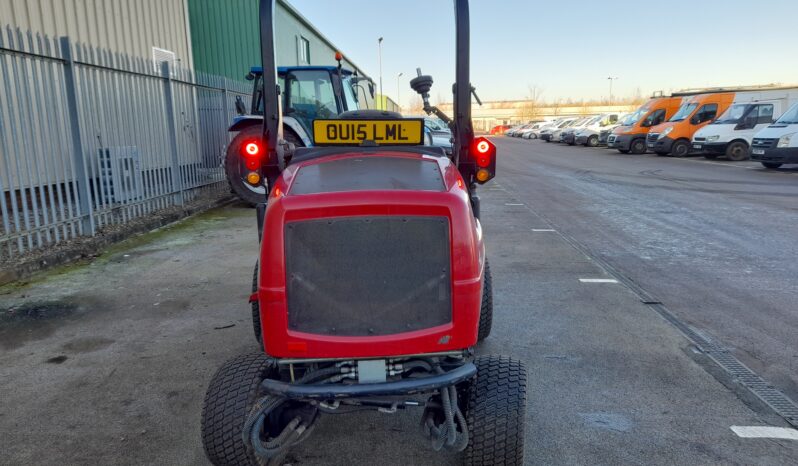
(529, 108)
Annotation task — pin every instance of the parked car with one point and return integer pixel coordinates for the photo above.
(515, 129)
(777, 144)
(589, 134)
(546, 133)
(630, 135)
(437, 133)
(499, 129)
(732, 132)
(567, 134)
(673, 137)
(533, 130)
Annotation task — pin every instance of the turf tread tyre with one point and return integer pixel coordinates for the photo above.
(496, 412)
(486, 309)
(231, 394)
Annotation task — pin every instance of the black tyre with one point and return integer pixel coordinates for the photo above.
(234, 166)
(710, 156)
(623, 151)
(737, 151)
(638, 146)
(592, 141)
(256, 308)
(230, 396)
(486, 310)
(772, 165)
(681, 148)
(496, 412)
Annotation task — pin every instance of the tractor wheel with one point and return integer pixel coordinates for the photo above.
(256, 308)
(772, 165)
(592, 141)
(233, 165)
(486, 310)
(638, 146)
(230, 396)
(496, 412)
(680, 148)
(737, 151)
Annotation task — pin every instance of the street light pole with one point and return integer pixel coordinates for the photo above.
(379, 56)
(398, 96)
(611, 80)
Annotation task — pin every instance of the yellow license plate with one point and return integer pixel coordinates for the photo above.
(409, 131)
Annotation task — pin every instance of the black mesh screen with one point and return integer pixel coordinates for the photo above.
(368, 275)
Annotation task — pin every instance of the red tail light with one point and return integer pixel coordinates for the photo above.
(252, 148)
(484, 155)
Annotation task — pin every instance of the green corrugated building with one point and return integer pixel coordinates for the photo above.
(225, 38)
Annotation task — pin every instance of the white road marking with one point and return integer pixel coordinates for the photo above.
(513, 204)
(598, 280)
(765, 432)
(542, 229)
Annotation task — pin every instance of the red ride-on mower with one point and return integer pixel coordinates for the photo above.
(372, 287)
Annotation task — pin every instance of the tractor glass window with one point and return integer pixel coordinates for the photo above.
(311, 94)
(349, 94)
(684, 112)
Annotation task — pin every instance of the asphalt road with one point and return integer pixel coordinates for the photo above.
(715, 241)
(107, 362)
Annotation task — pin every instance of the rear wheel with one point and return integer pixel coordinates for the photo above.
(638, 146)
(234, 166)
(680, 148)
(496, 412)
(772, 165)
(486, 310)
(737, 151)
(229, 399)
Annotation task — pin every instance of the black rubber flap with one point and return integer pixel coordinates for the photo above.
(368, 173)
(368, 275)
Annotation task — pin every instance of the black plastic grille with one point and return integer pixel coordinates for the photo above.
(652, 137)
(764, 143)
(365, 276)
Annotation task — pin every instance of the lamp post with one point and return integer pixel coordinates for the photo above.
(398, 96)
(611, 79)
(379, 56)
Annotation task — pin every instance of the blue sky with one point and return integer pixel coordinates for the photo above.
(568, 49)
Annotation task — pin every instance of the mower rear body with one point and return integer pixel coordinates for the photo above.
(370, 253)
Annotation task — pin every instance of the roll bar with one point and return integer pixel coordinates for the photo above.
(272, 111)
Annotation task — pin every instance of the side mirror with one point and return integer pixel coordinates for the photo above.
(647, 123)
(241, 108)
(371, 89)
(695, 120)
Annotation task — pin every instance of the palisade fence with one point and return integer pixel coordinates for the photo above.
(91, 138)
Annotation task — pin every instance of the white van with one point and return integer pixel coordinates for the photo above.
(731, 133)
(777, 144)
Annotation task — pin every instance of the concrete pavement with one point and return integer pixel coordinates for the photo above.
(107, 362)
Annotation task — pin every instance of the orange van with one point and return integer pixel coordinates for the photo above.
(630, 135)
(674, 136)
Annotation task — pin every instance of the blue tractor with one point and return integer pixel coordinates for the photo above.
(308, 93)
